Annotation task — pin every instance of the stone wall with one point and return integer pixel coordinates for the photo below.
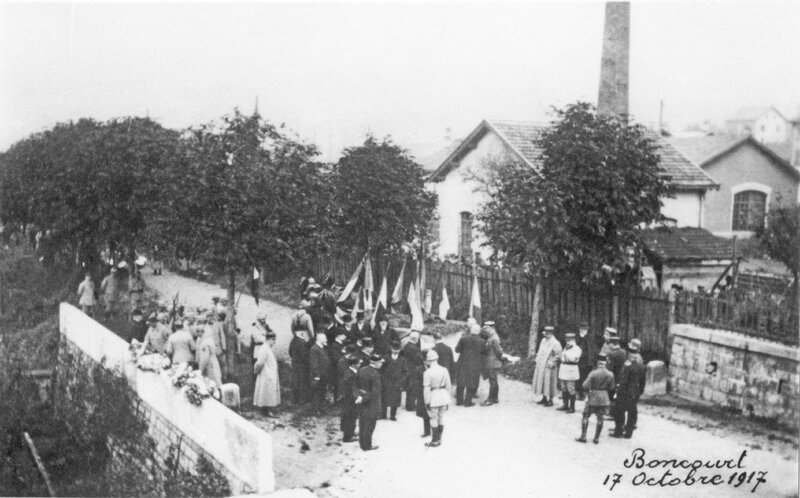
(747, 374)
(180, 435)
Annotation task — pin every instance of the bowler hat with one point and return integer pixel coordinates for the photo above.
(601, 357)
(359, 315)
(374, 357)
(396, 345)
(635, 345)
(352, 359)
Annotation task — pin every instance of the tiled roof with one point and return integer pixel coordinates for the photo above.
(698, 149)
(686, 244)
(749, 113)
(684, 173)
(430, 162)
(782, 150)
(521, 137)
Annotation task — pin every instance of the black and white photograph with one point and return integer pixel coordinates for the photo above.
(383, 249)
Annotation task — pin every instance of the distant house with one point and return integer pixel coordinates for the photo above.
(765, 124)
(687, 257)
(498, 142)
(752, 178)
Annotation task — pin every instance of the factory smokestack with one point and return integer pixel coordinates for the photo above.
(613, 95)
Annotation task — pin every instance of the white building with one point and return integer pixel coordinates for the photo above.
(765, 124)
(461, 197)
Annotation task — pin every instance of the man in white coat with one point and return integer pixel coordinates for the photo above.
(568, 373)
(545, 377)
(436, 388)
(267, 393)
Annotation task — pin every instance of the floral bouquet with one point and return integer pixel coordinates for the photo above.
(181, 374)
(198, 388)
(152, 362)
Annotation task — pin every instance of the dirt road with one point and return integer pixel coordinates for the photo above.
(514, 449)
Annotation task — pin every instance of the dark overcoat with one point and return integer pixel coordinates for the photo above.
(630, 384)
(393, 375)
(368, 386)
(470, 364)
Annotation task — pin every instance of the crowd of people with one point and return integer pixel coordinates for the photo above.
(358, 362)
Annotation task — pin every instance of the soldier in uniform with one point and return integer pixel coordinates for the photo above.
(394, 373)
(368, 397)
(109, 287)
(568, 373)
(630, 386)
(596, 386)
(493, 362)
(545, 376)
(436, 393)
(180, 345)
(156, 337)
(349, 412)
(590, 346)
(615, 359)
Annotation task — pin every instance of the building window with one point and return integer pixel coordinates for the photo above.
(465, 236)
(749, 208)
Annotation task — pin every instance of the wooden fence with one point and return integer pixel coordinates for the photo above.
(761, 315)
(641, 314)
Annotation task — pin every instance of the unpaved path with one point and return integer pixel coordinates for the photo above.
(513, 449)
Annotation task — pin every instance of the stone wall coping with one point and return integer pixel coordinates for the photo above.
(244, 449)
(736, 341)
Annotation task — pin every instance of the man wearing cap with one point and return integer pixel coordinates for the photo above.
(493, 363)
(319, 371)
(445, 353)
(137, 328)
(414, 359)
(301, 320)
(368, 398)
(383, 335)
(590, 346)
(135, 288)
(156, 337)
(393, 377)
(615, 360)
(299, 354)
(568, 373)
(630, 386)
(596, 385)
(349, 412)
(267, 391)
(436, 393)
(110, 288)
(545, 376)
(180, 345)
(471, 349)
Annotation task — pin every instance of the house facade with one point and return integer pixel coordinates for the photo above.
(752, 178)
(497, 142)
(765, 124)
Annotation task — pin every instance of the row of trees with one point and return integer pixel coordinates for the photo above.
(232, 194)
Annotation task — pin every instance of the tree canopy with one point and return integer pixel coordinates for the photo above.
(579, 213)
(381, 196)
(87, 183)
(780, 237)
(246, 196)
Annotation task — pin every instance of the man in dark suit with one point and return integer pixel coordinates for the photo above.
(383, 336)
(470, 365)
(349, 411)
(299, 353)
(445, 353)
(368, 397)
(319, 368)
(630, 386)
(361, 327)
(414, 361)
(335, 352)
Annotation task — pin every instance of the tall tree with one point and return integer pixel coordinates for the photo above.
(246, 196)
(578, 215)
(381, 196)
(88, 183)
(780, 238)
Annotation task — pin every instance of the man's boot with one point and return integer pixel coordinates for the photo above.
(571, 404)
(597, 431)
(564, 402)
(542, 401)
(584, 428)
(427, 427)
(435, 441)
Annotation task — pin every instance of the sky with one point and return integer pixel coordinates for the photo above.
(333, 72)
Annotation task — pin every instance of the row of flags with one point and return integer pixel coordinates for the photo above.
(419, 297)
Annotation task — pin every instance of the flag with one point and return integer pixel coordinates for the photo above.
(381, 305)
(348, 289)
(359, 305)
(444, 305)
(397, 295)
(369, 286)
(475, 301)
(428, 301)
(417, 321)
(254, 285)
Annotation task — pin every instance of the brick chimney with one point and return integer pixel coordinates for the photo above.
(613, 95)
